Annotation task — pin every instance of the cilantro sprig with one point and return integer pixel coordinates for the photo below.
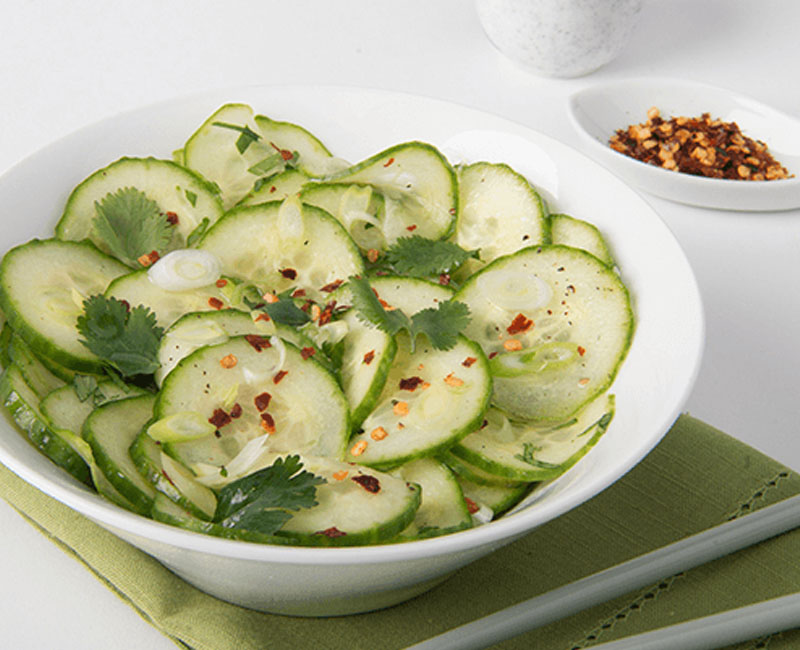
(284, 311)
(441, 324)
(264, 500)
(131, 224)
(420, 257)
(125, 339)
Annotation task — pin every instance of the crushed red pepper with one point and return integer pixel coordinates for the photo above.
(519, 324)
(332, 286)
(257, 342)
(267, 423)
(215, 303)
(411, 383)
(369, 357)
(307, 353)
(279, 375)
(172, 218)
(289, 274)
(369, 483)
(331, 532)
(236, 410)
(700, 146)
(219, 418)
(262, 401)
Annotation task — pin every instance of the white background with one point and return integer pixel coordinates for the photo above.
(64, 65)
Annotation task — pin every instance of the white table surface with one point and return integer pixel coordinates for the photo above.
(64, 65)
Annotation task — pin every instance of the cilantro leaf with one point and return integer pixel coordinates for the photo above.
(441, 324)
(127, 340)
(246, 138)
(421, 257)
(285, 311)
(262, 501)
(130, 224)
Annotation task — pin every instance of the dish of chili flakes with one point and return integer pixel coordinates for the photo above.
(702, 146)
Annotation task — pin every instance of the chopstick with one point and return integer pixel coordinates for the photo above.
(616, 581)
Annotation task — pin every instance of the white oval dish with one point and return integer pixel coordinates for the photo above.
(598, 111)
(651, 388)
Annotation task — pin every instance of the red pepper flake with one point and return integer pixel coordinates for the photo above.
(267, 423)
(452, 211)
(331, 532)
(273, 189)
(581, 350)
(219, 418)
(369, 357)
(492, 355)
(148, 258)
(126, 304)
(236, 410)
(307, 353)
(299, 293)
(341, 475)
(468, 362)
(263, 316)
(369, 483)
(215, 303)
(472, 507)
(326, 314)
(228, 361)
(412, 227)
(279, 375)
(444, 279)
(519, 324)
(172, 218)
(271, 298)
(373, 254)
(289, 274)
(332, 286)
(166, 476)
(285, 153)
(222, 282)
(411, 383)
(258, 342)
(388, 162)
(262, 401)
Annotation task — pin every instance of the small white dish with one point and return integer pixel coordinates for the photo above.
(598, 111)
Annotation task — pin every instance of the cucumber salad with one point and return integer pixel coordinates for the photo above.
(262, 341)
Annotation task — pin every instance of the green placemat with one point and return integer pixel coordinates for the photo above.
(697, 477)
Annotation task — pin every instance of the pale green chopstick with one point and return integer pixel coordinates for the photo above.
(621, 579)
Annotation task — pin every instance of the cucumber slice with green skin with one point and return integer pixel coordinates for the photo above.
(552, 296)
(212, 150)
(168, 512)
(356, 506)
(443, 509)
(43, 284)
(110, 430)
(276, 187)
(498, 498)
(501, 212)
(420, 187)
(36, 374)
(22, 404)
(6, 333)
(523, 452)
(174, 188)
(431, 399)
(474, 474)
(283, 245)
(171, 478)
(168, 306)
(357, 207)
(577, 233)
(306, 407)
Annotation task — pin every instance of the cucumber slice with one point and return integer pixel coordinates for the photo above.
(197, 329)
(281, 245)
(175, 189)
(43, 284)
(501, 211)
(420, 187)
(498, 498)
(36, 374)
(276, 187)
(172, 479)
(577, 233)
(22, 404)
(6, 333)
(137, 289)
(410, 294)
(523, 452)
(357, 207)
(305, 406)
(443, 509)
(355, 506)
(469, 472)
(110, 431)
(214, 151)
(552, 296)
(430, 400)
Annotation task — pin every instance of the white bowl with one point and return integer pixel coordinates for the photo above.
(598, 111)
(650, 388)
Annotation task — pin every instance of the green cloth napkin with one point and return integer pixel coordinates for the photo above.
(697, 477)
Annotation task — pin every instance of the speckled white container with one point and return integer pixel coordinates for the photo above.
(560, 38)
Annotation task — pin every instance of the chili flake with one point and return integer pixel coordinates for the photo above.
(332, 286)
(401, 408)
(331, 532)
(378, 433)
(581, 350)
(271, 298)
(359, 448)
(452, 380)
(411, 228)
(257, 342)
(267, 423)
(468, 362)
(369, 483)
(219, 418)
(263, 316)
(520, 324)
(341, 475)
(222, 282)
(373, 254)
(472, 507)
(172, 218)
(388, 162)
(444, 279)
(228, 361)
(299, 293)
(279, 375)
(289, 274)
(262, 401)
(700, 146)
(512, 345)
(215, 303)
(326, 314)
(410, 383)
(369, 357)
(307, 353)
(148, 258)
(236, 410)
